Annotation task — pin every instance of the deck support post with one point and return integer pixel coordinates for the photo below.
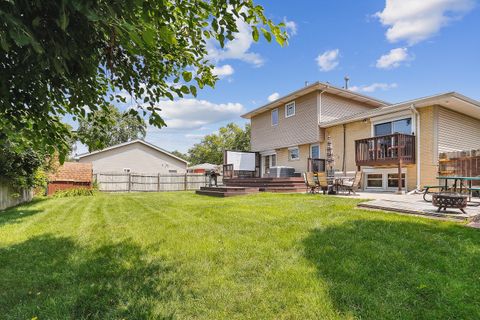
(400, 191)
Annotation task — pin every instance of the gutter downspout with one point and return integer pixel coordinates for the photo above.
(319, 105)
(418, 135)
(319, 113)
(344, 167)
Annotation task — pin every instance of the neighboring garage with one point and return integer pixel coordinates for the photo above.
(135, 156)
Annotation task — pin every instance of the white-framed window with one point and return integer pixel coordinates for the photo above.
(383, 179)
(403, 125)
(374, 180)
(275, 117)
(392, 180)
(290, 109)
(315, 151)
(293, 154)
(126, 170)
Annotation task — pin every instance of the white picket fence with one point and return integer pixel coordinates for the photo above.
(139, 182)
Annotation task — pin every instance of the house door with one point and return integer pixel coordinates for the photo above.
(266, 165)
(268, 162)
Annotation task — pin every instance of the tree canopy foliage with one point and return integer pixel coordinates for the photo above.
(212, 146)
(109, 127)
(59, 57)
(19, 165)
(180, 154)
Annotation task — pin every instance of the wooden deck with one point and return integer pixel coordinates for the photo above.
(223, 191)
(393, 149)
(281, 185)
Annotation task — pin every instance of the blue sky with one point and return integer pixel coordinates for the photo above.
(394, 50)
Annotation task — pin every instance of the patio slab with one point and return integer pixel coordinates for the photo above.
(414, 204)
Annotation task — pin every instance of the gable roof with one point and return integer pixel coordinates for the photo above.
(206, 166)
(150, 145)
(317, 86)
(450, 100)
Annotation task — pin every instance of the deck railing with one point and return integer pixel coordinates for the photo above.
(392, 149)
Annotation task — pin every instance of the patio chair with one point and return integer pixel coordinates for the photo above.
(309, 179)
(351, 185)
(322, 181)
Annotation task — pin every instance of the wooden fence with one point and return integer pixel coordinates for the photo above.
(461, 163)
(138, 182)
(10, 198)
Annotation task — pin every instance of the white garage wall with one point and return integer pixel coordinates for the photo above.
(137, 157)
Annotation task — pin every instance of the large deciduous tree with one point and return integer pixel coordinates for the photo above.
(58, 57)
(212, 146)
(109, 127)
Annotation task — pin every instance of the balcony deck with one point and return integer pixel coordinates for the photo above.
(393, 149)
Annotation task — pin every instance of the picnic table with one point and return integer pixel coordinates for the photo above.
(460, 184)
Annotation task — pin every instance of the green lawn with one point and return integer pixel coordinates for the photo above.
(265, 256)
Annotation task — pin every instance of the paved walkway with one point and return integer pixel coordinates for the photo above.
(414, 204)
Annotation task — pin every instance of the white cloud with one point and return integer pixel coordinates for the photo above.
(416, 20)
(194, 136)
(290, 26)
(274, 96)
(238, 48)
(328, 60)
(188, 114)
(223, 71)
(374, 87)
(394, 58)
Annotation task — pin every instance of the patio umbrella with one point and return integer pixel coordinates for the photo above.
(330, 161)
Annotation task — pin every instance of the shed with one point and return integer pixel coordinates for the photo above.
(70, 175)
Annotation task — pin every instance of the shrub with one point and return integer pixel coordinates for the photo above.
(76, 192)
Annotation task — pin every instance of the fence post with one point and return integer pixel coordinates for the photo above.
(158, 183)
(129, 181)
(186, 181)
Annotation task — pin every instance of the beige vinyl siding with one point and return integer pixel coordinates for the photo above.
(302, 128)
(428, 162)
(301, 164)
(334, 107)
(138, 157)
(456, 131)
(353, 131)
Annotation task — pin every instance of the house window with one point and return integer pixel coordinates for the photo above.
(126, 170)
(384, 179)
(393, 180)
(374, 180)
(397, 126)
(274, 117)
(315, 151)
(294, 153)
(172, 171)
(290, 109)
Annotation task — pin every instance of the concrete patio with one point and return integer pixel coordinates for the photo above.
(413, 204)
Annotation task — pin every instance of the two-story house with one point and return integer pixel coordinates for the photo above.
(379, 138)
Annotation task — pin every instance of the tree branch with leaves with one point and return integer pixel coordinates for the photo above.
(59, 57)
